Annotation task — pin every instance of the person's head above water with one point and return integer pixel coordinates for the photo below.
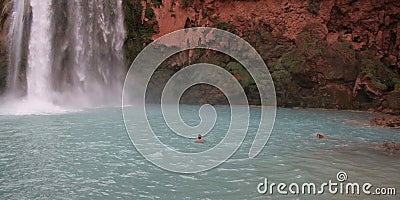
(199, 138)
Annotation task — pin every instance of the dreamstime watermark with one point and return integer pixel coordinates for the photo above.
(338, 186)
(143, 67)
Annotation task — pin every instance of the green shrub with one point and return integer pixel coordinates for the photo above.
(186, 3)
(345, 49)
(392, 84)
(378, 85)
(231, 66)
(149, 13)
(293, 61)
(279, 48)
(311, 42)
(157, 3)
(313, 8)
(397, 87)
(237, 69)
(275, 66)
(310, 33)
(280, 76)
(373, 70)
(225, 26)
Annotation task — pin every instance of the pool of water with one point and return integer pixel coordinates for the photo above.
(88, 155)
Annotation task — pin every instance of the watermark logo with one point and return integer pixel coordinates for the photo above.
(341, 176)
(340, 186)
(136, 83)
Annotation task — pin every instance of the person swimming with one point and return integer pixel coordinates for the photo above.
(320, 136)
(199, 139)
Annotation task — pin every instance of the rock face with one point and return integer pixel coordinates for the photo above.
(390, 148)
(392, 122)
(6, 8)
(332, 54)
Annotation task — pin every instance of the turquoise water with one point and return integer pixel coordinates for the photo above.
(88, 155)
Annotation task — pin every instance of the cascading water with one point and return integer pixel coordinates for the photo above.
(39, 51)
(75, 56)
(87, 42)
(18, 38)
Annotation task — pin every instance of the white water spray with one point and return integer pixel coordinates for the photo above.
(75, 56)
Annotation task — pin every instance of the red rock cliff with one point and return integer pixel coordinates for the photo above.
(333, 53)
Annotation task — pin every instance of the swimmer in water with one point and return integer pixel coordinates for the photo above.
(320, 136)
(199, 139)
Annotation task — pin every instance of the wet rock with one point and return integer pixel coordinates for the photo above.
(5, 19)
(392, 122)
(391, 146)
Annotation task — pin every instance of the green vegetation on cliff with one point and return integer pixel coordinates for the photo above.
(313, 7)
(186, 3)
(225, 26)
(157, 3)
(139, 31)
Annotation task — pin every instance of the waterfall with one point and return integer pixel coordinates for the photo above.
(87, 47)
(39, 52)
(18, 38)
(75, 59)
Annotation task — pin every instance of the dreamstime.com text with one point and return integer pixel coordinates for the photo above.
(341, 186)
